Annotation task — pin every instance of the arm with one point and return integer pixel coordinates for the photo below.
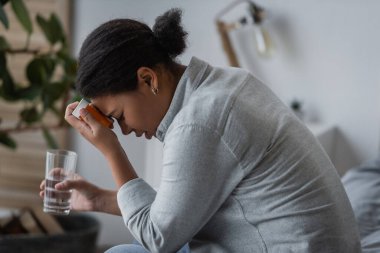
(105, 140)
(86, 196)
(199, 173)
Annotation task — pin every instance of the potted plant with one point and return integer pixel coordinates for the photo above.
(50, 75)
(43, 93)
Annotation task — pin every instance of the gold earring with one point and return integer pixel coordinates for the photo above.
(155, 91)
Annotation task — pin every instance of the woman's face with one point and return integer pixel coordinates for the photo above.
(139, 111)
(131, 113)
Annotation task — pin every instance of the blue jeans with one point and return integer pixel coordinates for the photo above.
(135, 247)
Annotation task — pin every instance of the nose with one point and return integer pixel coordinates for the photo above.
(126, 131)
(124, 128)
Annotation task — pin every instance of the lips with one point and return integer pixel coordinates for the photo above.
(147, 135)
(138, 134)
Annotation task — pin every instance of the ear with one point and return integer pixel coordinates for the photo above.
(147, 76)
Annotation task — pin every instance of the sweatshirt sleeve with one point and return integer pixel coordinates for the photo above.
(199, 173)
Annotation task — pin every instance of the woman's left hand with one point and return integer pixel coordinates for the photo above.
(103, 138)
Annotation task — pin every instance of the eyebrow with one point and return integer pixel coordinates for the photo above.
(109, 115)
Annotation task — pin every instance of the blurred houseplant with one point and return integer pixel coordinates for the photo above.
(50, 76)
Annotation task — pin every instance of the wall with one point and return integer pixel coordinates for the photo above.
(326, 55)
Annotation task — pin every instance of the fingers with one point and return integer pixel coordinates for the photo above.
(69, 110)
(74, 121)
(57, 173)
(42, 188)
(87, 126)
(88, 118)
(77, 177)
(42, 185)
(70, 118)
(84, 126)
(78, 183)
(66, 185)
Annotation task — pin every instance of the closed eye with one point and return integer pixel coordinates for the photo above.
(119, 118)
(114, 117)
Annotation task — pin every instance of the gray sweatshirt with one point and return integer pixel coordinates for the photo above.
(240, 174)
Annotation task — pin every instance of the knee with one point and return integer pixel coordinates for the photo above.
(127, 248)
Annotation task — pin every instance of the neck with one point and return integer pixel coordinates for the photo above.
(170, 78)
(176, 72)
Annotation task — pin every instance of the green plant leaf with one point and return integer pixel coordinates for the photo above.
(35, 72)
(51, 28)
(49, 64)
(44, 25)
(40, 70)
(69, 64)
(30, 115)
(56, 26)
(8, 86)
(50, 140)
(29, 93)
(3, 63)
(3, 17)
(52, 92)
(7, 141)
(22, 15)
(4, 45)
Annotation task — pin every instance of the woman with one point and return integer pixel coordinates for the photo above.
(240, 172)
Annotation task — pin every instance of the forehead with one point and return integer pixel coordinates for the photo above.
(106, 104)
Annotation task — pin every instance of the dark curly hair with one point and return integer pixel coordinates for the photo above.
(111, 55)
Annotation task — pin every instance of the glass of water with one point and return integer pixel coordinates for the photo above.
(60, 166)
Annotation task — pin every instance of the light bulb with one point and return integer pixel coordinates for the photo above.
(264, 44)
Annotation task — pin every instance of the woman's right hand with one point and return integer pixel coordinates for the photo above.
(86, 196)
(103, 138)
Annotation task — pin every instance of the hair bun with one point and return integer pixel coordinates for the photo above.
(169, 32)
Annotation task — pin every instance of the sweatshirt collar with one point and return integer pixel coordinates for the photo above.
(188, 83)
